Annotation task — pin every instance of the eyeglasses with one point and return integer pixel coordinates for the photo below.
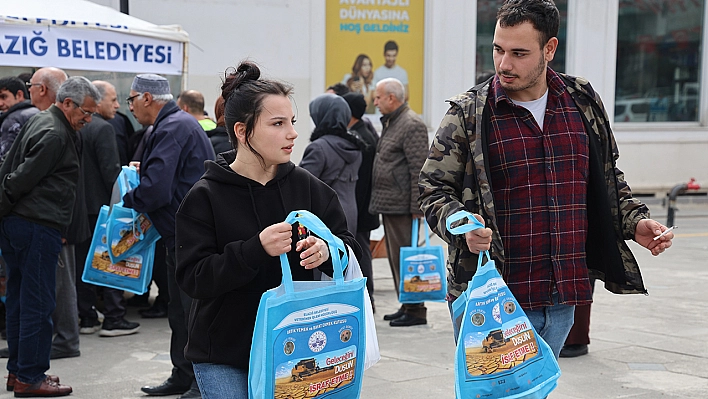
(86, 113)
(30, 84)
(130, 99)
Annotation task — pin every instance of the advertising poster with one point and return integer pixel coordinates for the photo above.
(369, 40)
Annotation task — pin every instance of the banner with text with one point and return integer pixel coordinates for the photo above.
(88, 49)
(369, 40)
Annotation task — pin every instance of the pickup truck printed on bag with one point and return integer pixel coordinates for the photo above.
(130, 267)
(315, 354)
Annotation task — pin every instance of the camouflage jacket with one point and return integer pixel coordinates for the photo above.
(454, 178)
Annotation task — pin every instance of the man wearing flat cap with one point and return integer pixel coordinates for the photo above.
(173, 160)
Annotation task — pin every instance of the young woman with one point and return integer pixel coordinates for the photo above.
(230, 230)
(361, 80)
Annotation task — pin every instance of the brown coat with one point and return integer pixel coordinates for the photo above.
(400, 155)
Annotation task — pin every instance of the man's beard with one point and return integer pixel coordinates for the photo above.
(534, 77)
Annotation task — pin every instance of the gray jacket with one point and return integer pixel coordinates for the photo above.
(333, 155)
(400, 154)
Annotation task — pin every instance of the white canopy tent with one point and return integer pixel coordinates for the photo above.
(81, 35)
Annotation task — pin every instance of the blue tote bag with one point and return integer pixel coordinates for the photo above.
(132, 274)
(128, 232)
(310, 336)
(499, 353)
(422, 272)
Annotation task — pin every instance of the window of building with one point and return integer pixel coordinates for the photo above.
(486, 22)
(658, 60)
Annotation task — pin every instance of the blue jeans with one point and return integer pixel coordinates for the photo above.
(553, 323)
(220, 381)
(31, 252)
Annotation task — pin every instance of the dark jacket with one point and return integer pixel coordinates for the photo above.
(219, 139)
(100, 163)
(366, 221)
(400, 154)
(221, 262)
(124, 131)
(455, 177)
(172, 162)
(43, 189)
(334, 155)
(11, 122)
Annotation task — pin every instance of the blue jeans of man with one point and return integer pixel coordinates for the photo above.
(553, 323)
(31, 252)
(220, 381)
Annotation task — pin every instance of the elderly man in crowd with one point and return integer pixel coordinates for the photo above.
(37, 194)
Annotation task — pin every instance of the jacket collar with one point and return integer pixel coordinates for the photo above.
(168, 109)
(388, 118)
(60, 115)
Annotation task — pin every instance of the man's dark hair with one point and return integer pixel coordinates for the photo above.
(543, 15)
(13, 85)
(390, 45)
(193, 100)
(339, 89)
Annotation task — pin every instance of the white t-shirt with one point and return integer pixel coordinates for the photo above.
(397, 72)
(536, 107)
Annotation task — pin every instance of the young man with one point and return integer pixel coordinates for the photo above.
(531, 152)
(390, 69)
(15, 109)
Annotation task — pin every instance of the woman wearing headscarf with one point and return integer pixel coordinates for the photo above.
(334, 154)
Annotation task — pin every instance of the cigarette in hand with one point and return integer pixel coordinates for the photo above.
(665, 232)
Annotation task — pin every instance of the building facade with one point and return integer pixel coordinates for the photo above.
(646, 58)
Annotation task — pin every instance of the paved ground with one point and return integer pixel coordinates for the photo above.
(644, 347)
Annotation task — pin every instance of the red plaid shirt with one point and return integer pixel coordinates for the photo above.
(539, 182)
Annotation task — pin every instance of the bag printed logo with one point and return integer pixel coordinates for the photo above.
(319, 356)
(422, 274)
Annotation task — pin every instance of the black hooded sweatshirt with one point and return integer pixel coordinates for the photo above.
(221, 262)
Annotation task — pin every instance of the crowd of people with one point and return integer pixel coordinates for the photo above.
(528, 150)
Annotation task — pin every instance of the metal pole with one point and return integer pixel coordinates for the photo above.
(675, 191)
(124, 7)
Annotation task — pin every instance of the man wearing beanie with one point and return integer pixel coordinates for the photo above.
(172, 161)
(366, 221)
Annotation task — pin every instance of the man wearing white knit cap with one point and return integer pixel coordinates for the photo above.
(173, 160)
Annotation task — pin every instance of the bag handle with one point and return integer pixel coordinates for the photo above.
(129, 179)
(335, 244)
(414, 233)
(472, 224)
